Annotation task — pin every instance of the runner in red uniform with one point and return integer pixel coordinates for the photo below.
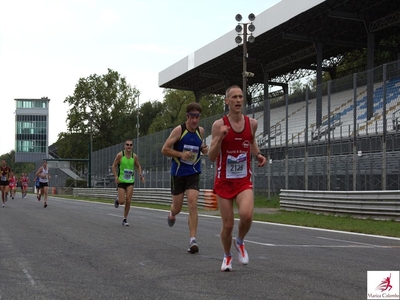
(12, 185)
(25, 183)
(5, 173)
(231, 147)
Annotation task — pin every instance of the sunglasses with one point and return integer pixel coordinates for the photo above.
(129, 145)
(194, 115)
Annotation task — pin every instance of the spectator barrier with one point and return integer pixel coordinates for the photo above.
(207, 199)
(383, 205)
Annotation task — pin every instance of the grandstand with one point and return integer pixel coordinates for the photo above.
(341, 116)
(343, 137)
(289, 161)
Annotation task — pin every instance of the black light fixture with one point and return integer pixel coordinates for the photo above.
(242, 29)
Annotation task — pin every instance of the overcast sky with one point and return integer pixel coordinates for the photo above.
(47, 45)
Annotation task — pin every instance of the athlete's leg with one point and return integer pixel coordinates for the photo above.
(2, 193)
(6, 189)
(192, 197)
(129, 192)
(245, 203)
(45, 192)
(176, 205)
(121, 195)
(227, 219)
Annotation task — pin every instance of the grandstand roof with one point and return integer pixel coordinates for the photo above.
(285, 39)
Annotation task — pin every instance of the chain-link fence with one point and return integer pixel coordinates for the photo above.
(344, 136)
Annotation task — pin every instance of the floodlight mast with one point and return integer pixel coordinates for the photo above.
(238, 40)
(244, 65)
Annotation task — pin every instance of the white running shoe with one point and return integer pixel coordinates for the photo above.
(226, 264)
(193, 247)
(242, 253)
(125, 222)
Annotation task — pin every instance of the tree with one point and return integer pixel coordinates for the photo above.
(147, 113)
(17, 168)
(174, 108)
(212, 105)
(103, 106)
(174, 105)
(73, 145)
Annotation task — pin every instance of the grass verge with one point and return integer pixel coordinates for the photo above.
(343, 223)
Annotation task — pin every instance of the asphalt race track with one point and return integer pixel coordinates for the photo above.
(80, 250)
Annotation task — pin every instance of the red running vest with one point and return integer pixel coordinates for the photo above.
(233, 162)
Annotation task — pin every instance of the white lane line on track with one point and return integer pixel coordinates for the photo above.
(259, 222)
(328, 230)
(352, 245)
(350, 242)
(313, 246)
(309, 246)
(114, 215)
(271, 224)
(29, 276)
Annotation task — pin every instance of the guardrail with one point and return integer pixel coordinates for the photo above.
(207, 199)
(383, 205)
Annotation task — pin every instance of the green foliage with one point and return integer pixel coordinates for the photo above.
(104, 109)
(212, 105)
(73, 145)
(17, 168)
(149, 111)
(174, 106)
(101, 106)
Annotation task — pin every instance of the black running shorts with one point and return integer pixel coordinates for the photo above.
(179, 184)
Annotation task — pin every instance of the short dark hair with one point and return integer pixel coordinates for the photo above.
(229, 89)
(193, 106)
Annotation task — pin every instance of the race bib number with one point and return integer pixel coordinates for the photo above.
(194, 150)
(128, 174)
(236, 167)
(3, 178)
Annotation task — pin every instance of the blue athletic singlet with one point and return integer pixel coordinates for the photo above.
(189, 141)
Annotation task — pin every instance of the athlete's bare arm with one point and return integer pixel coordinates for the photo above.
(218, 132)
(117, 160)
(167, 148)
(254, 146)
(139, 167)
(204, 148)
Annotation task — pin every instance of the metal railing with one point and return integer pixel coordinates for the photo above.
(206, 200)
(383, 205)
